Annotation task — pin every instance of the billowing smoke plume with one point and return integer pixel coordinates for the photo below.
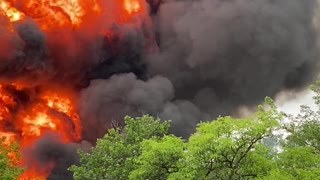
(184, 61)
(214, 57)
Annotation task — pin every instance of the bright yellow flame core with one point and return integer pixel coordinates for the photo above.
(40, 121)
(59, 12)
(12, 13)
(131, 6)
(72, 8)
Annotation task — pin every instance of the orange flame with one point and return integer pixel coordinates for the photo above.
(60, 13)
(51, 112)
(12, 13)
(132, 6)
(54, 12)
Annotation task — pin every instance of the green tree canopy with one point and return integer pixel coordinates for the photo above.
(230, 148)
(114, 155)
(9, 155)
(225, 149)
(159, 158)
(301, 149)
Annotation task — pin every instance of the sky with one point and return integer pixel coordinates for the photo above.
(292, 106)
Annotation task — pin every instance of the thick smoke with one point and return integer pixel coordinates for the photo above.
(214, 56)
(112, 99)
(185, 61)
(49, 152)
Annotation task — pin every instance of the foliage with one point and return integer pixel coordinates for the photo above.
(301, 149)
(230, 148)
(9, 155)
(225, 149)
(115, 154)
(159, 158)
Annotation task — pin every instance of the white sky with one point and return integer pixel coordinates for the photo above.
(292, 106)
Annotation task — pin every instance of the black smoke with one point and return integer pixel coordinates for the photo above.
(49, 151)
(215, 57)
(184, 60)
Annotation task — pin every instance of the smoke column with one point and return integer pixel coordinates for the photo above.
(186, 61)
(213, 57)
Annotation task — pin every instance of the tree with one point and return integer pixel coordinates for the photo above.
(9, 155)
(230, 148)
(301, 149)
(225, 149)
(115, 154)
(159, 158)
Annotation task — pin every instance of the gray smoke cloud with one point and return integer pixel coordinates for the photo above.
(187, 61)
(237, 47)
(112, 99)
(48, 151)
(215, 56)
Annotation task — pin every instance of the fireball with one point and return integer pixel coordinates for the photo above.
(27, 114)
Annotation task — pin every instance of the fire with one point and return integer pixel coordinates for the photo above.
(26, 122)
(50, 13)
(72, 8)
(34, 125)
(27, 114)
(8, 138)
(67, 13)
(12, 13)
(132, 6)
